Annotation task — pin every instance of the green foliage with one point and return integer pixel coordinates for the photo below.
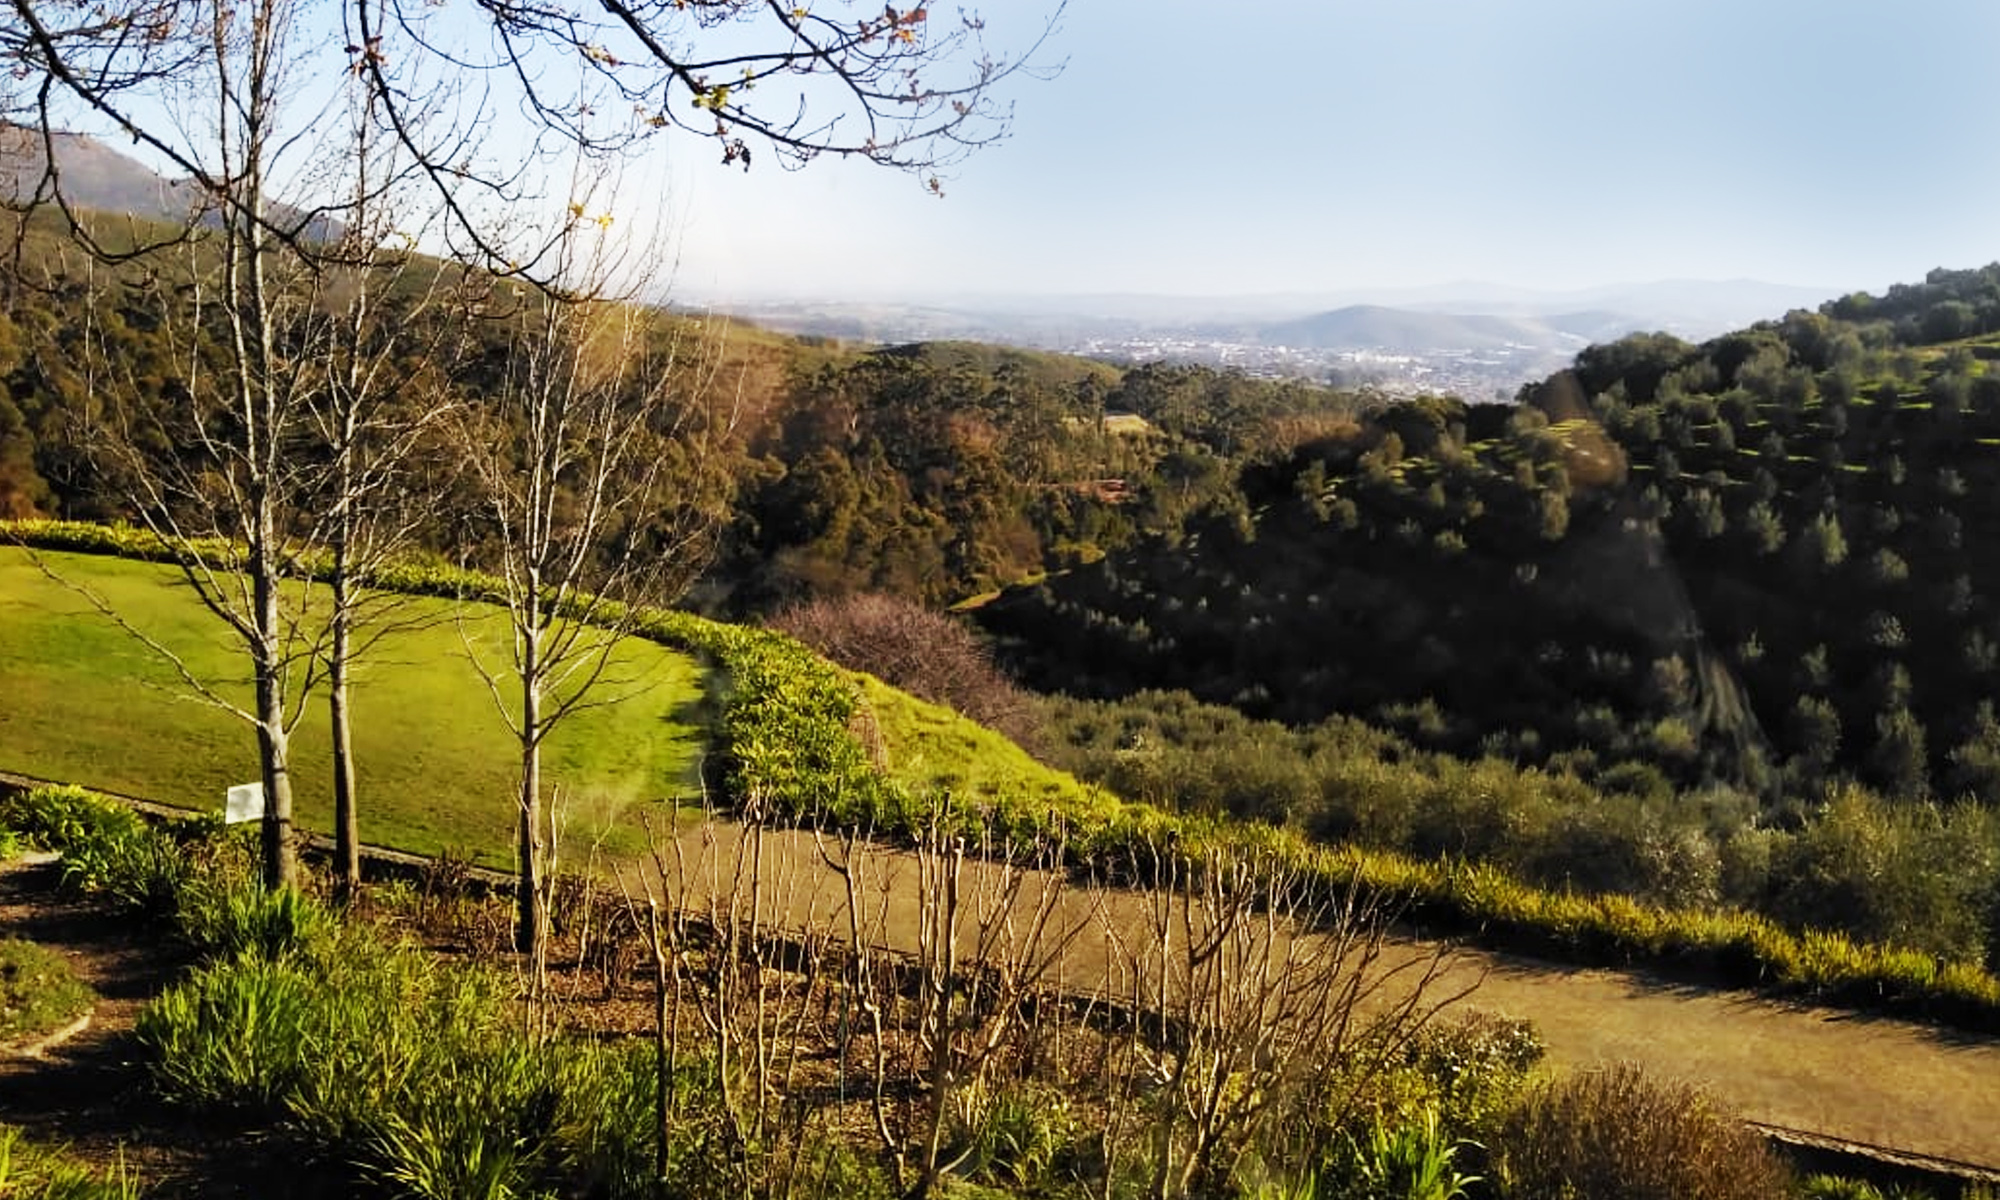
(234, 1036)
(1614, 1134)
(1836, 1187)
(1016, 1138)
(1914, 875)
(414, 1070)
(224, 913)
(1412, 1160)
(106, 847)
(39, 992)
(32, 1172)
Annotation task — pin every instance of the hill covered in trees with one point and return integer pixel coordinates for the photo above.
(934, 471)
(1753, 561)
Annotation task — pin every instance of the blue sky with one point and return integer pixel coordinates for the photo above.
(1321, 147)
(1296, 146)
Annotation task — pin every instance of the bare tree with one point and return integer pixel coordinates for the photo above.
(1257, 993)
(212, 447)
(378, 411)
(598, 489)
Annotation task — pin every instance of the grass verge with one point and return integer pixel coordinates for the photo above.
(39, 994)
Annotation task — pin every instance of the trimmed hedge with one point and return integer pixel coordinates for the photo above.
(786, 733)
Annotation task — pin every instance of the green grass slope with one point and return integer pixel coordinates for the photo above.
(929, 750)
(86, 701)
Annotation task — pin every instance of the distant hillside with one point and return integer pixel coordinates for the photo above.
(1407, 331)
(94, 176)
(1764, 560)
(91, 174)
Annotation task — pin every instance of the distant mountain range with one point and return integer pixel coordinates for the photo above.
(1402, 330)
(1479, 340)
(92, 175)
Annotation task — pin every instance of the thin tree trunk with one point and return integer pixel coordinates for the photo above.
(281, 867)
(346, 814)
(531, 917)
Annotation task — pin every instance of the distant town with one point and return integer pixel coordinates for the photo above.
(1488, 374)
(1479, 347)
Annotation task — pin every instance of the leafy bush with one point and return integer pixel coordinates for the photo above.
(415, 1071)
(106, 847)
(1915, 874)
(223, 912)
(925, 653)
(234, 1036)
(1413, 1160)
(1476, 1067)
(1616, 1134)
(1016, 1140)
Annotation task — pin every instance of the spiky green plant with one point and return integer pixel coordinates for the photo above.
(1413, 1160)
(31, 1172)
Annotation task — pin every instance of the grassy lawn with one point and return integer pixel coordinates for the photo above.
(83, 701)
(38, 992)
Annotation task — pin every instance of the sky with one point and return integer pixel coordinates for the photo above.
(1320, 146)
(1335, 147)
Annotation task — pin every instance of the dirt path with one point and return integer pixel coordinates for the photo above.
(1880, 1082)
(1868, 1080)
(1854, 1078)
(90, 1093)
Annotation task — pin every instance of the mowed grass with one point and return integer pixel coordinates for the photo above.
(83, 701)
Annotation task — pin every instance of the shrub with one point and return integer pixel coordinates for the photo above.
(1477, 1066)
(1914, 874)
(106, 847)
(224, 912)
(1414, 1160)
(1615, 1134)
(1015, 1141)
(415, 1072)
(235, 1036)
(922, 652)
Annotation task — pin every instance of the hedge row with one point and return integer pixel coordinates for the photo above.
(785, 729)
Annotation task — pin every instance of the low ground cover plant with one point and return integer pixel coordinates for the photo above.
(39, 992)
(29, 1171)
(1616, 1134)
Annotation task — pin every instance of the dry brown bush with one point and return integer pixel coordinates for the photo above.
(1617, 1134)
(922, 652)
